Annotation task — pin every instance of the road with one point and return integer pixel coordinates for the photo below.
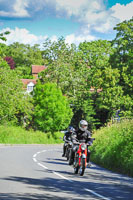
(31, 172)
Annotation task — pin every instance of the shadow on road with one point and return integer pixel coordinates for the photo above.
(56, 161)
(50, 188)
(16, 196)
(56, 188)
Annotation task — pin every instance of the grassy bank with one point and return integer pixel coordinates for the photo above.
(18, 135)
(113, 147)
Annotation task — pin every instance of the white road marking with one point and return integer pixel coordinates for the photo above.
(41, 165)
(62, 176)
(34, 159)
(96, 194)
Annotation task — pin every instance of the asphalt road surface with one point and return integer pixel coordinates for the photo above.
(31, 172)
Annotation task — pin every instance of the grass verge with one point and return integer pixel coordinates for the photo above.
(18, 135)
(113, 147)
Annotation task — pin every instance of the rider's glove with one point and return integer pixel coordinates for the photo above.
(90, 143)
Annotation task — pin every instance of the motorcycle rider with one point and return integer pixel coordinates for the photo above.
(82, 134)
(67, 137)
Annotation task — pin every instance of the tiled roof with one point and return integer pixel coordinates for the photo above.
(26, 81)
(93, 89)
(37, 68)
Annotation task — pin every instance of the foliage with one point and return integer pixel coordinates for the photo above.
(69, 71)
(11, 135)
(14, 105)
(123, 54)
(24, 56)
(3, 49)
(52, 111)
(3, 35)
(113, 147)
(96, 76)
(102, 77)
(10, 62)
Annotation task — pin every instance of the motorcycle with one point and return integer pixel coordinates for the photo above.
(80, 158)
(68, 145)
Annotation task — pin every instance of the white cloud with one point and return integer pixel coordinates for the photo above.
(71, 7)
(92, 15)
(23, 36)
(54, 38)
(20, 8)
(72, 38)
(122, 12)
(14, 8)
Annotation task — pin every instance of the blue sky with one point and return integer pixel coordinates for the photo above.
(32, 21)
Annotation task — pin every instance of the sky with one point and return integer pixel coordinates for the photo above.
(33, 21)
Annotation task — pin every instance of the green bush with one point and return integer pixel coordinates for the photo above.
(113, 147)
(52, 111)
(18, 135)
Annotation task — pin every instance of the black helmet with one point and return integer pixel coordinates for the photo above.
(83, 125)
(71, 129)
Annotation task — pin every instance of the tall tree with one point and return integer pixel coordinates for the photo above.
(104, 80)
(14, 105)
(123, 54)
(69, 71)
(122, 59)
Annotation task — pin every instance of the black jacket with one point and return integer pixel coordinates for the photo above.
(81, 136)
(67, 136)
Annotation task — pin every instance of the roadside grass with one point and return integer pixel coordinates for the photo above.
(113, 147)
(18, 135)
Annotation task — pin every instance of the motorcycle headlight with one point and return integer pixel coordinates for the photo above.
(83, 146)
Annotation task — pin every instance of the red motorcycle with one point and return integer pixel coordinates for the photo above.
(80, 158)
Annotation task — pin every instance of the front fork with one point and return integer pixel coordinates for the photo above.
(83, 155)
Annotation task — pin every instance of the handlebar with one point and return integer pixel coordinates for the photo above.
(83, 141)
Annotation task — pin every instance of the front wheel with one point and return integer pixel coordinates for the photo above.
(82, 167)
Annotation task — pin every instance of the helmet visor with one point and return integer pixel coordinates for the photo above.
(83, 127)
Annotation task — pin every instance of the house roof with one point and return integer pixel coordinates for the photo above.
(92, 89)
(27, 81)
(37, 68)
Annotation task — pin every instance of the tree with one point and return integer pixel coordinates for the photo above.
(14, 105)
(52, 111)
(122, 59)
(2, 35)
(10, 62)
(101, 77)
(70, 72)
(123, 54)
(24, 56)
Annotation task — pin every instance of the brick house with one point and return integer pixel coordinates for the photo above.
(36, 69)
(28, 84)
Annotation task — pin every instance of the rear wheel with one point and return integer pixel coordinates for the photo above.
(76, 166)
(70, 159)
(67, 154)
(76, 169)
(82, 167)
